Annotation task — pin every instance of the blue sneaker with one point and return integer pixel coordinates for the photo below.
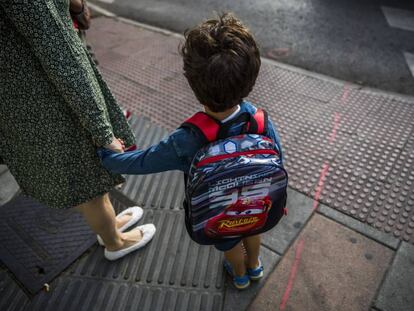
(256, 273)
(240, 282)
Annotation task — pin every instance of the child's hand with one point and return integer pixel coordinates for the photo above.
(122, 143)
(130, 148)
(117, 145)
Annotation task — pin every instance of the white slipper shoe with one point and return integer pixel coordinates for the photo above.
(136, 212)
(148, 232)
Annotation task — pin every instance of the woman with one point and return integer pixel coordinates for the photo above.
(55, 109)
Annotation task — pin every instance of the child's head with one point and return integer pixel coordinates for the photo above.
(221, 62)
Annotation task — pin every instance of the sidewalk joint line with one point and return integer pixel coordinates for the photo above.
(100, 10)
(272, 249)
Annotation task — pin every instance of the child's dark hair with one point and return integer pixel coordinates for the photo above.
(221, 62)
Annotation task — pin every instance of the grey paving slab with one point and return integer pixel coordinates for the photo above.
(397, 291)
(329, 267)
(236, 300)
(12, 297)
(300, 208)
(360, 227)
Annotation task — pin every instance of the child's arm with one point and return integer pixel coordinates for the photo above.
(158, 158)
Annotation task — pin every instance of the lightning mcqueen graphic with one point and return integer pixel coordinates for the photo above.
(246, 215)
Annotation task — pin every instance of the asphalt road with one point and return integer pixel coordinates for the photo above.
(352, 40)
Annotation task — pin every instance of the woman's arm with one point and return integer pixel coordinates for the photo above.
(64, 60)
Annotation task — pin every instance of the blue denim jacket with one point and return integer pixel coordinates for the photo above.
(175, 152)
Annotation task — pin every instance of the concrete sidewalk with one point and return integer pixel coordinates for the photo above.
(347, 243)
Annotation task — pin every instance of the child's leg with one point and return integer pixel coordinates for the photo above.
(252, 245)
(235, 257)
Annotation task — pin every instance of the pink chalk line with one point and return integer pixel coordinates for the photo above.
(319, 188)
(345, 94)
(321, 182)
(335, 127)
(292, 274)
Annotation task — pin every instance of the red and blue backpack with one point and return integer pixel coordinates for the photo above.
(236, 186)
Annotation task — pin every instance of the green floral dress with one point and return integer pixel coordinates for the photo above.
(55, 107)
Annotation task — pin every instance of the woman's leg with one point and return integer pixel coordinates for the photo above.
(252, 245)
(100, 216)
(235, 257)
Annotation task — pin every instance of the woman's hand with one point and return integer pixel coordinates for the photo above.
(116, 145)
(80, 12)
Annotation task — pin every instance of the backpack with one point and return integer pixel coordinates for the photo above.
(236, 186)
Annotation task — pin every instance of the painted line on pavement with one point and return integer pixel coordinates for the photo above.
(292, 274)
(402, 19)
(345, 94)
(107, 13)
(398, 18)
(100, 10)
(321, 182)
(106, 1)
(409, 58)
(337, 118)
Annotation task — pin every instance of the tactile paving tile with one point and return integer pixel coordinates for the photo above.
(162, 190)
(363, 158)
(171, 264)
(380, 127)
(150, 89)
(395, 207)
(37, 242)
(93, 294)
(319, 121)
(349, 192)
(274, 77)
(319, 89)
(376, 186)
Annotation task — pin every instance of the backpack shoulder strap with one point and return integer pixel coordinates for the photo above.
(257, 123)
(260, 124)
(205, 125)
(211, 129)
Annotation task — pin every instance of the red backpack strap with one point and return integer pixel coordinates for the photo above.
(202, 123)
(259, 123)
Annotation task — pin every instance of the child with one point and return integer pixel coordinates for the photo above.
(221, 64)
